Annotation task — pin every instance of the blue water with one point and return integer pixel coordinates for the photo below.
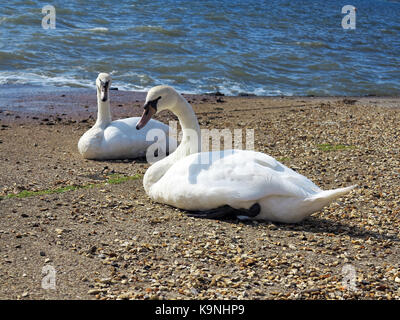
(260, 47)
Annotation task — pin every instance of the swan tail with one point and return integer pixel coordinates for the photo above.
(323, 198)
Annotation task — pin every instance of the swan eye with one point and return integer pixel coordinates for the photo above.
(104, 84)
(152, 103)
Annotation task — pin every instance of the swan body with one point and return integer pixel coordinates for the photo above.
(240, 179)
(118, 139)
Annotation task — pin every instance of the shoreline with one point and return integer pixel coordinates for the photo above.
(25, 103)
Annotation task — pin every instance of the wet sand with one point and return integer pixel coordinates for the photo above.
(93, 222)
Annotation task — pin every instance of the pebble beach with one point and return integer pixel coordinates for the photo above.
(92, 222)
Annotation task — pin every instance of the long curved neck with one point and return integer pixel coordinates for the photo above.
(191, 143)
(191, 137)
(103, 111)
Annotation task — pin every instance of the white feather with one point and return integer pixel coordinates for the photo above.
(238, 178)
(120, 139)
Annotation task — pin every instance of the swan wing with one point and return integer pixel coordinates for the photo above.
(229, 177)
(253, 175)
(127, 127)
(121, 134)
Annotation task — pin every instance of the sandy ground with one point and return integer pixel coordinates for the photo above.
(106, 240)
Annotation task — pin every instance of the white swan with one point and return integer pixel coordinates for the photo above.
(245, 183)
(118, 139)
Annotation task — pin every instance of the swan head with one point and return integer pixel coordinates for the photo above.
(159, 98)
(103, 83)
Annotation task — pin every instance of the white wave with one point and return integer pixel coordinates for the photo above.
(229, 88)
(30, 78)
(98, 29)
(7, 77)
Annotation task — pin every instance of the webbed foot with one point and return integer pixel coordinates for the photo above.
(227, 212)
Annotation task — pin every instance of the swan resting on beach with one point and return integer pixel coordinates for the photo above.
(247, 184)
(118, 139)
